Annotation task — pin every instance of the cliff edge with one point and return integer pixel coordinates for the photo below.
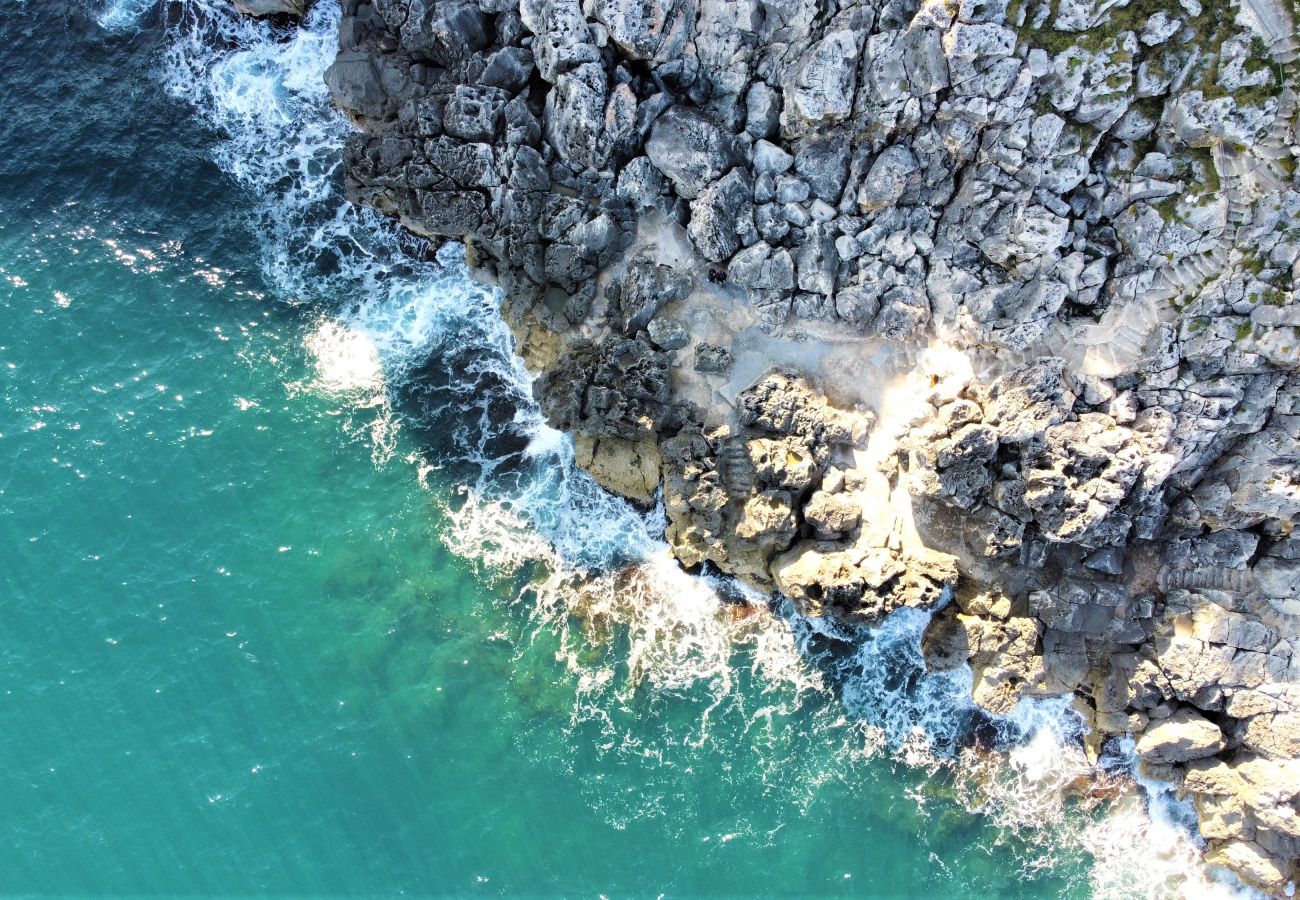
(900, 300)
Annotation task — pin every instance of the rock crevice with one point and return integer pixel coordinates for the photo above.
(899, 301)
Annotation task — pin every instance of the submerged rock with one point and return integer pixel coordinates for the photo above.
(1054, 250)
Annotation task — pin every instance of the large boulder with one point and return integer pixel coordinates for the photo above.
(690, 149)
(862, 583)
(721, 213)
(821, 92)
(627, 468)
(1182, 737)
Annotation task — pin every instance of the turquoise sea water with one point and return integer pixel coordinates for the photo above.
(300, 598)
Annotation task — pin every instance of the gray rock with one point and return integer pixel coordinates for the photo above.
(509, 69)
(770, 159)
(817, 262)
(668, 334)
(474, 113)
(888, 178)
(713, 360)
(354, 81)
(1124, 201)
(562, 37)
(790, 189)
(821, 91)
(690, 149)
(719, 213)
(647, 288)
(574, 121)
(643, 29)
(762, 110)
(858, 304)
(824, 164)
(761, 268)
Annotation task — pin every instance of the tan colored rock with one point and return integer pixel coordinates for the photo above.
(629, 469)
(1005, 661)
(1222, 818)
(1182, 737)
(986, 604)
(783, 463)
(768, 522)
(865, 583)
(537, 345)
(1004, 655)
(1253, 863)
(832, 513)
(1276, 735)
(271, 7)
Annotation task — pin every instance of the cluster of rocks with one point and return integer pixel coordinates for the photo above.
(1095, 203)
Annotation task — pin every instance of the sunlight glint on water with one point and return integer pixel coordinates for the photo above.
(661, 665)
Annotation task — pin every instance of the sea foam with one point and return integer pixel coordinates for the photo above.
(604, 579)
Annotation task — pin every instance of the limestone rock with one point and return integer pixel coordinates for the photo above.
(1055, 246)
(629, 469)
(827, 578)
(713, 360)
(690, 149)
(271, 7)
(720, 214)
(888, 178)
(822, 89)
(1181, 737)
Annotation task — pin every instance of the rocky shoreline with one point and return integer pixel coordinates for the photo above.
(903, 300)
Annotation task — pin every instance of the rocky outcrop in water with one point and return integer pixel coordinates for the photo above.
(899, 300)
(271, 7)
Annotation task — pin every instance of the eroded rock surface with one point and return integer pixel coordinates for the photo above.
(708, 218)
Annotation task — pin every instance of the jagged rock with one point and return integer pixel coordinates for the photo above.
(575, 116)
(563, 38)
(888, 178)
(1003, 652)
(668, 334)
(783, 404)
(1101, 225)
(690, 149)
(827, 578)
(474, 113)
(644, 30)
(647, 288)
(769, 159)
(1024, 403)
(768, 522)
(721, 214)
(762, 110)
(821, 92)
(762, 268)
(832, 514)
(713, 360)
(1249, 860)
(616, 388)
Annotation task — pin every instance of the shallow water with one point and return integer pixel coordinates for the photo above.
(301, 597)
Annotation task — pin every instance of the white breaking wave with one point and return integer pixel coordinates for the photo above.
(121, 15)
(626, 615)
